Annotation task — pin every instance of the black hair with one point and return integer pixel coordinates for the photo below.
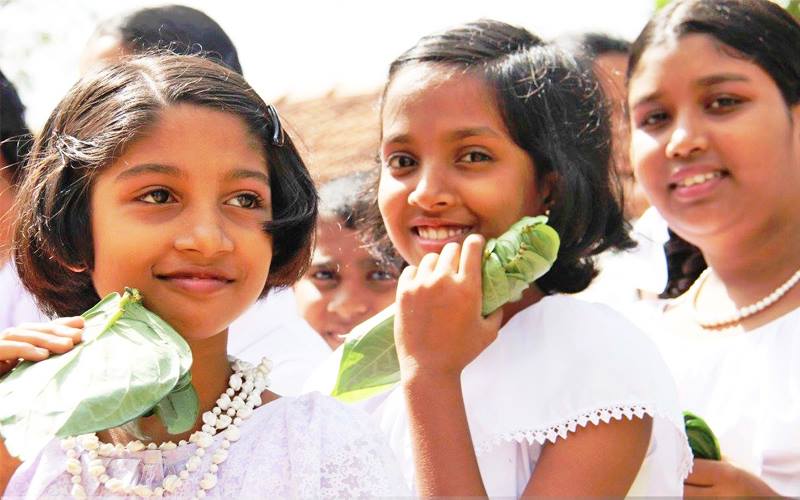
(103, 113)
(15, 138)
(594, 44)
(685, 263)
(758, 30)
(553, 109)
(343, 198)
(176, 28)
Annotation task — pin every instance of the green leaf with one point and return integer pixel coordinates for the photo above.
(129, 361)
(511, 263)
(702, 441)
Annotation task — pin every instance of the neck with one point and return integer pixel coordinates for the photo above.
(751, 268)
(210, 373)
(529, 297)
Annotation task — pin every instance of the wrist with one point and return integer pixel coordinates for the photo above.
(413, 376)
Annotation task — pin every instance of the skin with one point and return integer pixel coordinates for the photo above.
(693, 105)
(344, 284)
(611, 69)
(445, 150)
(192, 196)
(101, 50)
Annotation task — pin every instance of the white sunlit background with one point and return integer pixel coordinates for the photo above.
(300, 48)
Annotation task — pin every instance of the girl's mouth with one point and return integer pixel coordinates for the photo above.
(441, 233)
(695, 180)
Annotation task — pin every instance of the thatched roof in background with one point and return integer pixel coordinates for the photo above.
(336, 133)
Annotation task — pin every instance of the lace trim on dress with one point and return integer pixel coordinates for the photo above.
(594, 416)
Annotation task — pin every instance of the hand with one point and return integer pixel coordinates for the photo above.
(438, 326)
(35, 341)
(712, 478)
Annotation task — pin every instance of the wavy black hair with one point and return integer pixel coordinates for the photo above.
(15, 138)
(176, 28)
(90, 128)
(552, 106)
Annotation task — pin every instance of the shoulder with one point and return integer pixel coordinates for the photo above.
(564, 322)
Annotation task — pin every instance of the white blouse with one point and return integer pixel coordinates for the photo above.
(746, 386)
(558, 365)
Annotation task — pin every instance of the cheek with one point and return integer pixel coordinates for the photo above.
(309, 299)
(646, 157)
(391, 201)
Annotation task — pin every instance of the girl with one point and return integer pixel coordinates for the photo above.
(172, 176)
(714, 95)
(481, 125)
(344, 284)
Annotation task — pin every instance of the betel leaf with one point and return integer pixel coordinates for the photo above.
(511, 263)
(702, 440)
(129, 361)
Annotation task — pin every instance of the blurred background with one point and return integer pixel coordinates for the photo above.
(294, 49)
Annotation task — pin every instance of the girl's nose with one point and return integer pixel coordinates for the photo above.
(348, 303)
(688, 138)
(432, 191)
(204, 232)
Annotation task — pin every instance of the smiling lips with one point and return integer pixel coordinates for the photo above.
(197, 282)
(441, 232)
(696, 179)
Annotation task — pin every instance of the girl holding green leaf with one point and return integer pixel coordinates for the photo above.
(168, 174)
(482, 125)
(714, 99)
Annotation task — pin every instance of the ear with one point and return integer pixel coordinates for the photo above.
(548, 190)
(794, 114)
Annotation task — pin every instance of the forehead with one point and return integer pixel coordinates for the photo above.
(193, 137)
(438, 94)
(688, 59)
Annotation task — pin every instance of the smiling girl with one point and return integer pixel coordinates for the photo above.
(170, 175)
(482, 125)
(714, 95)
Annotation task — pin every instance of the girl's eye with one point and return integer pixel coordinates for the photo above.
(723, 103)
(157, 197)
(323, 275)
(379, 275)
(246, 200)
(400, 161)
(474, 157)
(653, 119)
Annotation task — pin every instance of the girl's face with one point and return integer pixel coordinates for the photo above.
(344, 285)
(449, 165)
(713, 142)
(179, 216)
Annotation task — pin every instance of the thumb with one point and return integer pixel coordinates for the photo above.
(493, 321)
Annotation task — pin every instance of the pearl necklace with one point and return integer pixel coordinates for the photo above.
(713, 322)
(234, 406)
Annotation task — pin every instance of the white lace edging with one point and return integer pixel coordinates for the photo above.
(594, 416)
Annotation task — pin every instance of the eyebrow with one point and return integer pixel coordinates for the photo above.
(149, 168)
(246, 173)
(155, 168)
(452, 136)
(706, 81)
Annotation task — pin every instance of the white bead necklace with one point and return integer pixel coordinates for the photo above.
(713, 322)
(233, 406)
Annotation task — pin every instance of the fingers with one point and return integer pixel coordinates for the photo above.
(449, 259)
(45, 339)
(12, 350)
(471, 256)
(55, 328)
(704, 473)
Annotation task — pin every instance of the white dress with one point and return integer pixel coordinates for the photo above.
(273, 328)
(634, 276)
(746, 386)
(305, 447)
(16, 304)
(560, 364)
